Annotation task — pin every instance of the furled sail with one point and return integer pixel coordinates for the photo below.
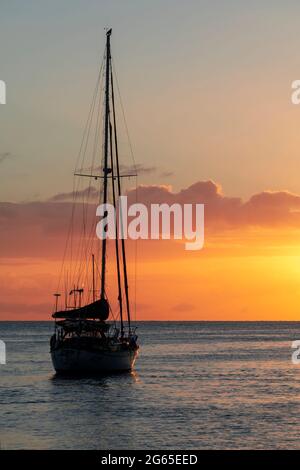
(98, 310)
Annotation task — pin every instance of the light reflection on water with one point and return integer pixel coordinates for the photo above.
(196, 386)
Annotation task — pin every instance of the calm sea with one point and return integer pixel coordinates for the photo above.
(196, 386)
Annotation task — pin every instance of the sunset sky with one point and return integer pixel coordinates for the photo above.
(206, 87)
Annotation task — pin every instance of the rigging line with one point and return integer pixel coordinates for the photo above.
(135, 257)
(80, 247)
(70, 230)
(123, 113)
(82, 270)
(94, 96)
(95, 249)
(83, 229)
(95, 148)
(90, 246)
(88, 252)
(135, 167)
(63, 261)
(84, 254)
(87, 131)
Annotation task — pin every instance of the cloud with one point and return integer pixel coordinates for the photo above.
(167, 174)
(267, 208)
(36, 229)
(4, 156)
(39, 229)
(90, 193)
(138, 169)
(183, 307)
(273, 208)
(141, 169)
(151, 194)
(33, 239)
(219, 209)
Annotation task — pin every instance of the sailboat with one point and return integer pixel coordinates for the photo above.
(85, 340)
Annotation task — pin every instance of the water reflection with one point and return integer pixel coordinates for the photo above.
(97, 378)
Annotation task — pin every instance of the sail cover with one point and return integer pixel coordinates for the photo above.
(98, 309)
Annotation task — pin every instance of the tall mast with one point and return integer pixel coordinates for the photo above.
(117, 240)
(119, 194)
(106, 170)
(108, 147)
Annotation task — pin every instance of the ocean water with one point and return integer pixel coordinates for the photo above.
(199, 385)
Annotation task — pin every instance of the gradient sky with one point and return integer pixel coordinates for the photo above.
(215, 73)
(206, 87)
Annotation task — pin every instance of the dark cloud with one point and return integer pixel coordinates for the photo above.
(141, 169)
(167, 174)
(138, 169)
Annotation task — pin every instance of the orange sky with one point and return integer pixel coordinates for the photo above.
(249, 268)
(222, 283)
(207, 96)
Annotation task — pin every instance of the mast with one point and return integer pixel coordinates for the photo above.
(94, 290)
(108, 148)
(57, 295)
(106, 170)
(119, 194)
(116, 240)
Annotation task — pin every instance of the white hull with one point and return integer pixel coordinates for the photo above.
(76, 360)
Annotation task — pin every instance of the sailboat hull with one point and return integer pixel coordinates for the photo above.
(67, 360)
